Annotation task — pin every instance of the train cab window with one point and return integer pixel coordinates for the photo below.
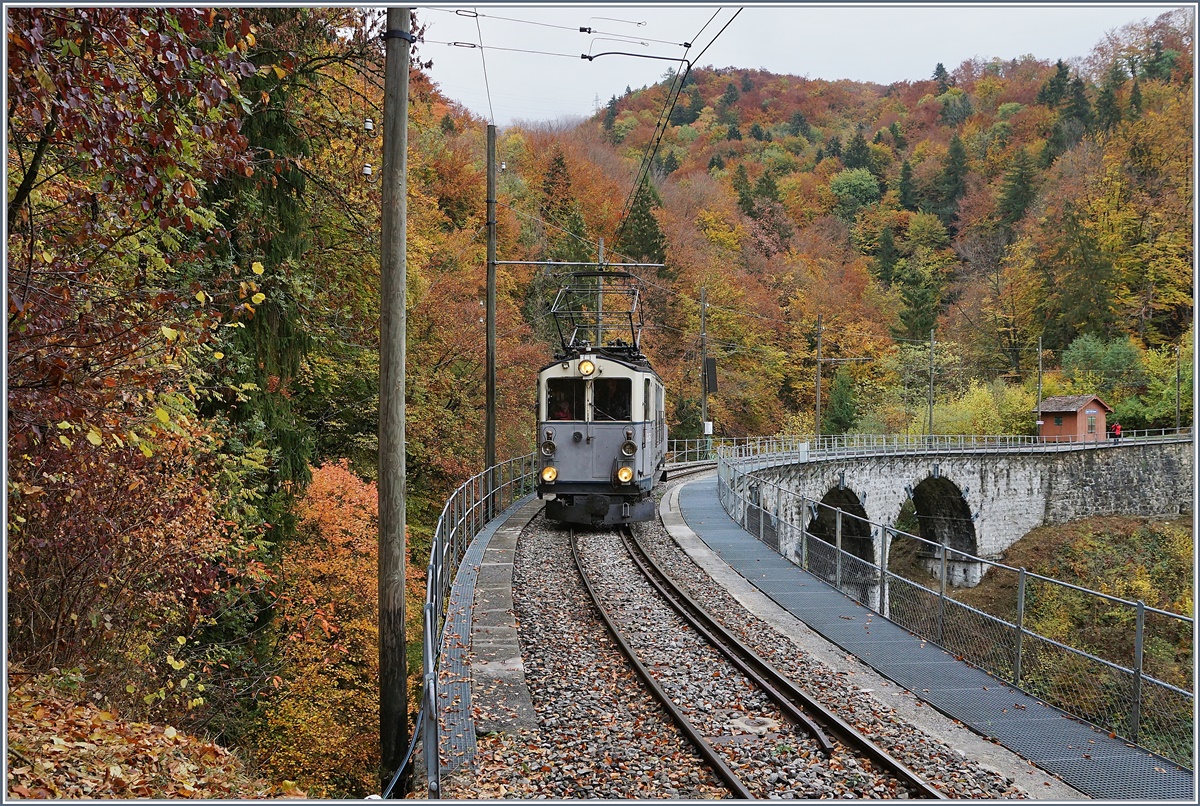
(565, 398)
(611, 398)
(646, 402)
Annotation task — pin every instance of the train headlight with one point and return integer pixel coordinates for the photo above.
(628, 448)
(549, 474)
(586, 367)
(548, 447)
(624, 474)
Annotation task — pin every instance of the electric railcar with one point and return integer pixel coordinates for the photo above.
(602, 431)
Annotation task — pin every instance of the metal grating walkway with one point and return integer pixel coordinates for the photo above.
(1078, 753)
(479, 672)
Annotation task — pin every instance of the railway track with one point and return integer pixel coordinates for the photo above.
(723, 696)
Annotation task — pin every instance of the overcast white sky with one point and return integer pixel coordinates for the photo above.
(878, 42)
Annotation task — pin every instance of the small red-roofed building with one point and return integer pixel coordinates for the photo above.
(1073, 418)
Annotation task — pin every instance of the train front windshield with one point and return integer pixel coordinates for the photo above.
(610, 398)
(566, 399)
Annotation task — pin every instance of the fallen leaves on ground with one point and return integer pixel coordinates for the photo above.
(60, 747)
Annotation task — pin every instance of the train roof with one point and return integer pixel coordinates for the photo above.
(638, 363)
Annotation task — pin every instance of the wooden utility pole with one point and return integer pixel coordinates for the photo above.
(817, 426)
(393, 675)
(489, 459)
(1039, 391)
(1177, 374)
(703, 358)
(930, 431)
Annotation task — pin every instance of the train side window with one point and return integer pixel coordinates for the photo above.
(611, 398)
(565, 398)
(646, 400)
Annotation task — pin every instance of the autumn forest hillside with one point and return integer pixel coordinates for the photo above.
(193, 302)
(995, 204)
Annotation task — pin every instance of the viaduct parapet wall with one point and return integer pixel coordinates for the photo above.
(984, 501)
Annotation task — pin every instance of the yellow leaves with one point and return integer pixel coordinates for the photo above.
(145, 450)
(718, 231)
(258, 298)
(201, 297)
(218, 355)
(94, 437)
(161, 415)
(292, 790)
(171, 333)
(256, 267)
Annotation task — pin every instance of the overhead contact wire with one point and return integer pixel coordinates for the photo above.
(664, 121)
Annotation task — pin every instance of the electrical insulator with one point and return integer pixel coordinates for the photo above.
(367, 169)
(368, 125)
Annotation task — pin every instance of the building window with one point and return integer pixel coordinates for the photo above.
(1091, 423)
(1058, 420)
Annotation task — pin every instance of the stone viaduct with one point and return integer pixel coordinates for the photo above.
(975, 501)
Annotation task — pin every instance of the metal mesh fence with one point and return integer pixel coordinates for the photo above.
(1135, 680)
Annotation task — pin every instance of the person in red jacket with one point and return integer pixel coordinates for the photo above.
(1116, 432)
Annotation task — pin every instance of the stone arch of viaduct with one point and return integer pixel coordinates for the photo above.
(982, 502)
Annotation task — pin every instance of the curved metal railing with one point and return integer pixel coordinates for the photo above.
(1122, 695)
(466, 513)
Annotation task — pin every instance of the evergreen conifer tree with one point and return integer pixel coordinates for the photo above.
(857, 153)
(1135, 99)
(1056, 144)
(886, 256)
(799, 125)
(1018, 190)
(1078, 106)
(640, 236)
(1108, 109)
(919, 315)
(765, 188)
(567, 235)
(1054, 90)
(610, 114)
(907, 188)
(842, 411)
(952, 184)
(942, 78)
(741, 185)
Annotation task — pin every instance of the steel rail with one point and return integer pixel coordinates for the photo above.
(702, 745)
(739, 656)
(791, 699)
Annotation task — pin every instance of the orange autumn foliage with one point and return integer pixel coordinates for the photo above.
(323, 729)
